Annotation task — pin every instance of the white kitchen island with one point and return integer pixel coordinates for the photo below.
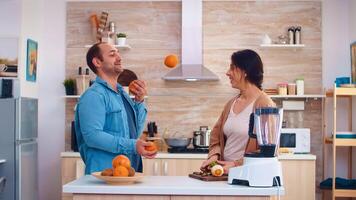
(166, 188)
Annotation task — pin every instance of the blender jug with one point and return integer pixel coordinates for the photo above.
(265, 125)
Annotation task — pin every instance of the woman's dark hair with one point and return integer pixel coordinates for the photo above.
(250, 62)
(94, 52)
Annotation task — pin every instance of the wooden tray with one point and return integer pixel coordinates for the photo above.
(209, 178)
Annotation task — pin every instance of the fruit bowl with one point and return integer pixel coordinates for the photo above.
(119, 180)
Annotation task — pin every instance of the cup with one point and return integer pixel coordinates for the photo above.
(3, 67)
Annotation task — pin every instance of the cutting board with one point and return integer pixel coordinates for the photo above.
(209, 178)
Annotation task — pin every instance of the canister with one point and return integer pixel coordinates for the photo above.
(291, 88)
(282, 88)
(300, 86)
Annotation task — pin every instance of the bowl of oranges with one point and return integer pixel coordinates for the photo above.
(121, 172)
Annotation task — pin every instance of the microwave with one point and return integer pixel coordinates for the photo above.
(296, 140)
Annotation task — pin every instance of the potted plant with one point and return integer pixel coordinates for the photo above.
(69, 85)
(121, 39)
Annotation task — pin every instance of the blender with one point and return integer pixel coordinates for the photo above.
(262, 168)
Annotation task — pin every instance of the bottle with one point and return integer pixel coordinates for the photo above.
(297, 35)
(291, 35)
(300, 86)
(80, 71)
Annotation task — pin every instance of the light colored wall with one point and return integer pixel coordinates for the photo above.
(339, 30)
(51, 106)
(31, 28)
(352, 36)
(10, 15)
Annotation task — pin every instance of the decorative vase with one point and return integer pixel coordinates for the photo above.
(121, 41)
(70, 90)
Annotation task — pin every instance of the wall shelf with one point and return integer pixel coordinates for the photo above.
(122, 47)
(337, 142)
(281, 46)
(306, 96)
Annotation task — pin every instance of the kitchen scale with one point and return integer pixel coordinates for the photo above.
(261, 169)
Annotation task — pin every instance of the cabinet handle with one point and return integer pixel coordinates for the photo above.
(165, 168)
(2, 184)
(155, 169)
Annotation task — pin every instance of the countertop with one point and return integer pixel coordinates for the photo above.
(167, 185)
(163, 155)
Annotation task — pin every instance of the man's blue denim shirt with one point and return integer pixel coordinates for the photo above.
(101, 126)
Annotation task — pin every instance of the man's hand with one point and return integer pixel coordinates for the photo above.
(138, 88)
(140, 148)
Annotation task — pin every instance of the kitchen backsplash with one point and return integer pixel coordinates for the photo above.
(154, 31)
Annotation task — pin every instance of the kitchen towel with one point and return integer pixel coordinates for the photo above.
(341, 183)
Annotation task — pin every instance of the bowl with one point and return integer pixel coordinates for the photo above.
(177, 142)
(116, 180)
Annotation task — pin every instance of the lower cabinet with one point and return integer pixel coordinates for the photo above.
(170, 167)
(298, 179)
(298, 174)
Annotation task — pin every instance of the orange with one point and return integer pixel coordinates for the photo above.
(121, 160)
(107, 172)
(121, 171)
(151, 147)
(171, 61)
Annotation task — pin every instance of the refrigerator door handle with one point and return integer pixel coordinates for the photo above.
(2, 184)
(26, 141)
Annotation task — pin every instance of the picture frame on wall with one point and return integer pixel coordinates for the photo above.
(353, 62)
(31, 63)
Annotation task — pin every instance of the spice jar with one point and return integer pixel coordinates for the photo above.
(300, 86)
(291, 88)
(282, 88)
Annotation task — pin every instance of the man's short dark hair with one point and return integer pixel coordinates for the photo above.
(94, 52)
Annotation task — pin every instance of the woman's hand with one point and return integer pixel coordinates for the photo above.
(207, 162)
(227, 165)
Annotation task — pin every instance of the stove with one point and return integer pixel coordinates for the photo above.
(188, 150)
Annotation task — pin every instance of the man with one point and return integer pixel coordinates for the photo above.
(107, 121)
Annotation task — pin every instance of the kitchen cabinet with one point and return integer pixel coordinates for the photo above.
(298, 171)
(298, 179)
(170, 167)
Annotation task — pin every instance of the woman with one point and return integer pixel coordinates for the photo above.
(229, 139)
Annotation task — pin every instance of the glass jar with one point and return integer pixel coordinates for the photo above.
(282, 88)
(300, 86)
(291, 88)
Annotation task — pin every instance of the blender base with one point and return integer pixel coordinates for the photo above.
(257, 172)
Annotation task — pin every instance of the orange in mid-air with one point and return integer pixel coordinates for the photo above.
(120, 171)
(121, 160)
(151, 147)
(171, 61)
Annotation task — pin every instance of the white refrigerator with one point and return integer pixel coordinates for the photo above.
(18, 149)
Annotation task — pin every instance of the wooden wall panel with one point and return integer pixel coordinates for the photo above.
(154, 30)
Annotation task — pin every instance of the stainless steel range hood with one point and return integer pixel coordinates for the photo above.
(192, 68)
